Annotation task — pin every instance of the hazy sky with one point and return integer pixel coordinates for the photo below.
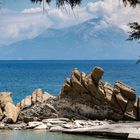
(22, 4)
(24, 20)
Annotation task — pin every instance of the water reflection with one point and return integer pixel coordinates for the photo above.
(42, 135)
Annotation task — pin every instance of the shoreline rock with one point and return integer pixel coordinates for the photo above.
(123, 130)
(82, 100)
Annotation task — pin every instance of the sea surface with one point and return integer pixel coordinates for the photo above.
(44, 135)
(23, 77)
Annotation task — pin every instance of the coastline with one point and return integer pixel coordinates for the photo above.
(119, 130)
(84, 106)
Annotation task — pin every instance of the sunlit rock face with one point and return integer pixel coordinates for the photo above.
(89, 97)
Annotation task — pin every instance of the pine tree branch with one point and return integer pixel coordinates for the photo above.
(135, 31)
(132, 3)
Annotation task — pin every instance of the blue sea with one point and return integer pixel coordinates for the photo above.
(23, 77)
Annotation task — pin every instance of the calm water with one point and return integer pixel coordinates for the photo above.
(43, 135)
(22, 77)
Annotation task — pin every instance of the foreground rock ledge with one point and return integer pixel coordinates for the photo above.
(123, 130)
(82, 97)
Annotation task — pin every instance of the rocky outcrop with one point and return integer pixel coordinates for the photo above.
(35, 107)
(5, 97)
(38, 112)
(38, 96)
(82, 97)
(8, 111)
(87, 96)
(11, 113)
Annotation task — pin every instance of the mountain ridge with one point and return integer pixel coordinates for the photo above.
(92, 39)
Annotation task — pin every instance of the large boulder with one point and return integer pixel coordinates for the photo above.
(87, 96)
(122, 102)
(37, 96)
(11, 113)
(97, 74)
(25, 103)
(127, 92)
(76, 74)
(110, 97)
(5, 97)
(76, 82)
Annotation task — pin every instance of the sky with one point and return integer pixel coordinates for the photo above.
(18, 5)
(24, 20)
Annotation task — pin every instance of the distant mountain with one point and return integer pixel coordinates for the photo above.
(89, 40)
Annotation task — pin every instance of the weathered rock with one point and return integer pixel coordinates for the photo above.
(100, 95)
(76, 75)
(56, 129)
(82, 97)
(68, 81)
(39, 111)
(122, 102)
(5, 97)
(127, 92)
(131, 111)
(110, 97)
(138, 107)
(46, 96)
(69, 125)
(41, 127)
(91, 87)
(28, 119)
(97, 74)
(34, 124)
(66, 89)
(55, 120)
(84, 79)
(1, 114)
(2, 125)
(17, 126)
(25, 103)
(77, 86)
(78, 124)
(37, 96)
(11, 113)
(108, 89)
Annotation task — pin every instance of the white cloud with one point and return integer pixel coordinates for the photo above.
(32, 10)
(29, 23)
(114, 12)
(21, 26)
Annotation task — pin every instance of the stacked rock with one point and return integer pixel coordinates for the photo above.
(37, 96)
(94, 99)
(82, 97)
(8, 111)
